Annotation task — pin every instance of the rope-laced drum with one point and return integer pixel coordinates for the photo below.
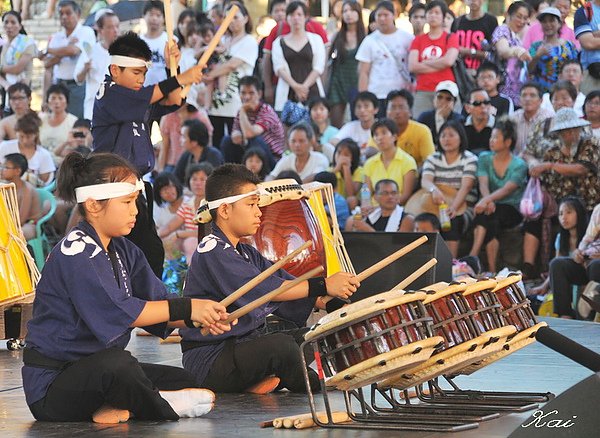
(469, 335)
(373, 338)
(18, 272)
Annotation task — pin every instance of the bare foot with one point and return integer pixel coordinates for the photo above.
(109, 415)
(265, 386)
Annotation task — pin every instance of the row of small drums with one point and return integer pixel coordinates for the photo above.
(401, 339)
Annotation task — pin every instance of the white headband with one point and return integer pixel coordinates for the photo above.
(231, 199)
(107, 191)
(128, 61)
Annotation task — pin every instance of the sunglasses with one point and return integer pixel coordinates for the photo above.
(481, 102)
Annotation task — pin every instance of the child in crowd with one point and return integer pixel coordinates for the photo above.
(427, 223)
(196, 181)
(123, 110)
(207, 33)
(319, 116)
(366, 106)
(348, 171)
(28, 200)
(95, 288)
(255, 161)
(489, 77)
(244, 357)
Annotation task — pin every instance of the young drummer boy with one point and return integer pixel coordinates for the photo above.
(244, 357)
(120, 124)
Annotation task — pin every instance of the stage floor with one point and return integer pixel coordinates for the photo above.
(534, 368)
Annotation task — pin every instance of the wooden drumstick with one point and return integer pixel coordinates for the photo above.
(391, 258)
(214, 42)
(268, 297)
(412, 277)
(169, 28)
(227, 301)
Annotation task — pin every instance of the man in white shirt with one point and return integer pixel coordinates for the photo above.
(64, 49)
(383, 57)
(573, 72)
(91, 68)
(304, 161)
(156, 38)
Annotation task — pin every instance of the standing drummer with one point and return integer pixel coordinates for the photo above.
(246, 359)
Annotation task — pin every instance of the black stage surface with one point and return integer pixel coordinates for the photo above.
(534, 368)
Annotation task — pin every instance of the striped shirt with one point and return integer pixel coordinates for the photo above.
(266, 117)
(187, 211)
(452, 174)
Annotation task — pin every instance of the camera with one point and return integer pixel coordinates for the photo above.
(78, 134)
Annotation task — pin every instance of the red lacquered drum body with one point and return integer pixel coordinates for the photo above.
(516, 309)
(484, 304)
(285, 226)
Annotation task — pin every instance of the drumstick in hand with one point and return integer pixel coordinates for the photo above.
(261, 277)
(214, 42)
(171, 62)
(268, 297)
(412, 277)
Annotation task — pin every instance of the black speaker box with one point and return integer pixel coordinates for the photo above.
(573, 414)
(366, 249)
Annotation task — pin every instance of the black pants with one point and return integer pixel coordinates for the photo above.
(564, 273)
(112, 377)
(505, 216)
(219, 123)
(144, 233)
(241, 365)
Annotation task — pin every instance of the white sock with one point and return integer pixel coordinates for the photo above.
(190, 402)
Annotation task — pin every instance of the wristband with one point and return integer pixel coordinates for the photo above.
(317, 287)
(334, 305)
(180, 309)
(168, 85)
(189, 323)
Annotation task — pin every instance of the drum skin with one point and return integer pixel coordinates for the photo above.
(285, 226)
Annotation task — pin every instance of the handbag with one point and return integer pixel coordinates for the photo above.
(294, 112)
(532, 203)
(463, 79)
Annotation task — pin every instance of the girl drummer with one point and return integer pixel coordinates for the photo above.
(244, 357)
(95, 288)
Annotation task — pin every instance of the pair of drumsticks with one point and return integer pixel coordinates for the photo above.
(313, 272)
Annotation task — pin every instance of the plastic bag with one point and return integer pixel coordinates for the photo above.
(532, 203)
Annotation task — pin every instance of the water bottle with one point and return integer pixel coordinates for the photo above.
(444, 217)
(365, 196)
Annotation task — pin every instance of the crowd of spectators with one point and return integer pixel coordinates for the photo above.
(378, 111)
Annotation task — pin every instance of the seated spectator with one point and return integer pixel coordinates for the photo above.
(502, 178)
(389, 216)
(196, 182)
(342, 211)
(365, 108)
(568, 168)
(414, 138)
(572, 219)
(168, 197)
(586, 31)
(194, 139)
(456, 167)
(289, 174)
(41, 165)
(431, 56)
(319, 116)
(171, 148)
(348, 171)
(582, 266)
(57, 122)
(488, 78)
(446, 94)
(552, 52)
(14, 167)
(391, 162)
(571, 71)
(427, 223)
(254, 159)
(529, 115)
(255, 125)
(480, 122)
(19, 98)
(591, 111)
(298, 59)
(302, 160)
(79, 139)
